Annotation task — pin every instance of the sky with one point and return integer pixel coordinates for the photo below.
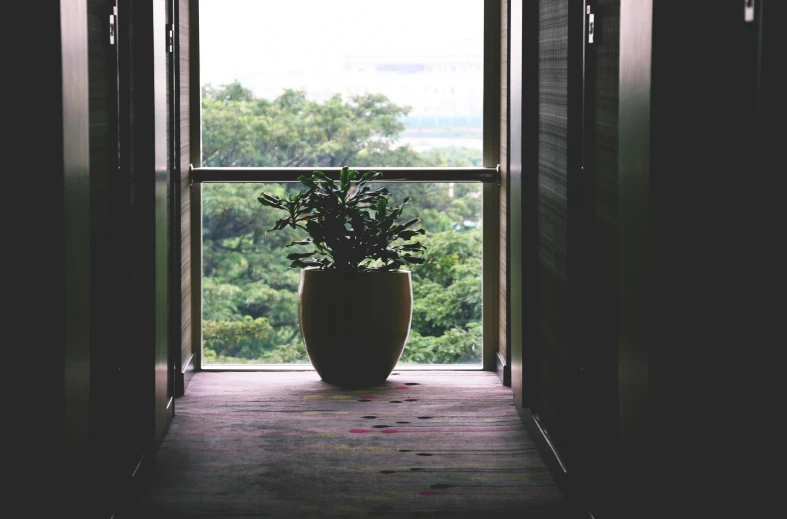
(255, 41)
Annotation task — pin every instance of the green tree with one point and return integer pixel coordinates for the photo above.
(290, 131)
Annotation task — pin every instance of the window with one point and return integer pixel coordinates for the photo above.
(321, 85)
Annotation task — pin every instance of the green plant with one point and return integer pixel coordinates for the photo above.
(351, 226)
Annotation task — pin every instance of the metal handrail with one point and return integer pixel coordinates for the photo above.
(483, 175)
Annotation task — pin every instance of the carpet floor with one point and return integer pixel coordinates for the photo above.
(423, 444)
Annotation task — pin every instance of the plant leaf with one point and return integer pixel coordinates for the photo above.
(344, 178)
(307, 181)
(381, 203)
(300, 255)
(307, 241)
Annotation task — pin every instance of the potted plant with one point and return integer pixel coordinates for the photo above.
(355, 302)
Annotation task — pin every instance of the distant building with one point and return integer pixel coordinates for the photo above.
(444, 92)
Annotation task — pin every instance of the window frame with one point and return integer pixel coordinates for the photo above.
(488, 175)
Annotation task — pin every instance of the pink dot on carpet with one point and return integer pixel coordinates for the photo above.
(389, 431)
(359, 431)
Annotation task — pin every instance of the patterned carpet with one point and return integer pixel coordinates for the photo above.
(424, 444)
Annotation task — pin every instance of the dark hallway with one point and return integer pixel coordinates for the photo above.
(629, 199)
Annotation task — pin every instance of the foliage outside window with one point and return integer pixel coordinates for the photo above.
(249, 291)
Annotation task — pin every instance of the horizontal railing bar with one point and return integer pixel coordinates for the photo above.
(484, 175)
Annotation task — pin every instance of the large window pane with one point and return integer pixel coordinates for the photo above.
(250, 294)
(347, 82)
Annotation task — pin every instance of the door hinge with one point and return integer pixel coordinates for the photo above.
(591, 24)
(748, 10)
(113, 22)
(170, 38)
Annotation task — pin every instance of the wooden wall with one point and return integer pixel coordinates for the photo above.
(569, 267)
(503, 332)
(556, 373)
(187, 348)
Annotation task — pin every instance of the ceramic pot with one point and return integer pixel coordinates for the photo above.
(355, 325)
